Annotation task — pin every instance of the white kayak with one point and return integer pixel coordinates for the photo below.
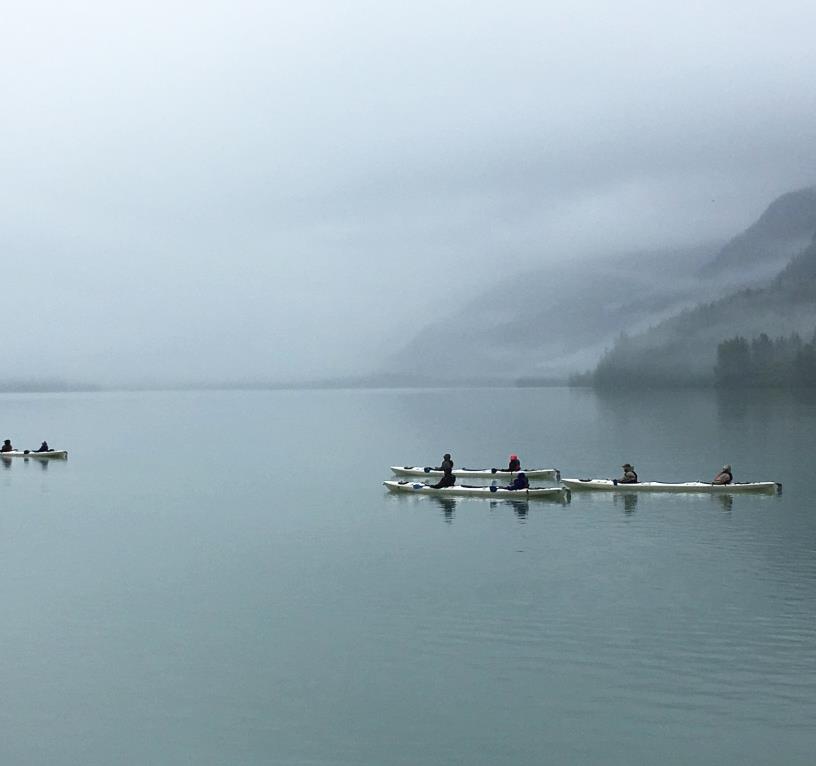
(659, 486)
(52, 454)
(462, 490)
(477, 473)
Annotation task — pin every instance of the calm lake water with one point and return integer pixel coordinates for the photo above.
(221, 578)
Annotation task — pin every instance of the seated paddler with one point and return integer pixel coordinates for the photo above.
(725, 476)
(447, 480)
(629, 475)
(447, 463)
(520, 482)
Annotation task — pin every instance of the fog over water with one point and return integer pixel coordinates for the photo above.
(282, 191)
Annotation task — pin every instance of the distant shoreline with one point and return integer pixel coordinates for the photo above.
(359, 382)
(372, 385)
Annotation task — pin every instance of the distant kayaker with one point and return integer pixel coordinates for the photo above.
(725, 476)
(520, 482)
(447, 480)
(515, 463)
(447, 463)
(629, 475)
(7, 446)
(44, 448)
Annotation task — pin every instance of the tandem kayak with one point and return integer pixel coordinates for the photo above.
(477, 473)
(659, 486)
(52, 454)
(463, 490)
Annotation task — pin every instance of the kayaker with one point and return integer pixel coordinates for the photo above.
(447, 463)
(520, 482)
(43, 448)
(629, 475)
(515, 463)
(7, 446)
(725, 476)
(447, 480)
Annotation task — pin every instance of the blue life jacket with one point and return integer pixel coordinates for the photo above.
(520, 482)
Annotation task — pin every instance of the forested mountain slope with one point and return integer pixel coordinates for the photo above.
(683, 349)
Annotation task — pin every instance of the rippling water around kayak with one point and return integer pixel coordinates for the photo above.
(220, 577)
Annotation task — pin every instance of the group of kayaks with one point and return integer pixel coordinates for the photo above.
(409, 475)
(467, 490)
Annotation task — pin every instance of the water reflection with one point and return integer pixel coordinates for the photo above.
(726, 501)
(805, 395)
(629, 500)
(520, 507)
(43, 462)
(743, 403)
(733, 405)
(447, 505)
(625, 406)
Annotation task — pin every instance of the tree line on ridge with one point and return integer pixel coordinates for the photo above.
(763, 362)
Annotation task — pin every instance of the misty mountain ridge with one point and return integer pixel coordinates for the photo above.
(551, 323)
(782, 231)
(517, 327)
(674, 307)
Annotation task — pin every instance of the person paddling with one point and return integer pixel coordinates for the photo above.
(447, 480)
(44, 448)
(520, 482)
(447, 463)
(7, 446)
(629, 475)
(515, 463)
(725, 476)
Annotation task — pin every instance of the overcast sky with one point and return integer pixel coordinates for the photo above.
(288, 189)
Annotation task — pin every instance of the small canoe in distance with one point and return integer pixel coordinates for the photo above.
(477, 473)
(52, 454)
(658, 486)
(462, 490)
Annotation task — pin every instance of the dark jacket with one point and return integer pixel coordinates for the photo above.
(448, 480)
(515, 465)
(520, 482)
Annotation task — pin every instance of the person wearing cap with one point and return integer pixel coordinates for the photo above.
(520, 482)
(629, 475)
(515, 463)
(7, 446)
(447, 463)
(724, 477)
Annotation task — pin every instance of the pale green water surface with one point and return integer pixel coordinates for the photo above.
(220, 578)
